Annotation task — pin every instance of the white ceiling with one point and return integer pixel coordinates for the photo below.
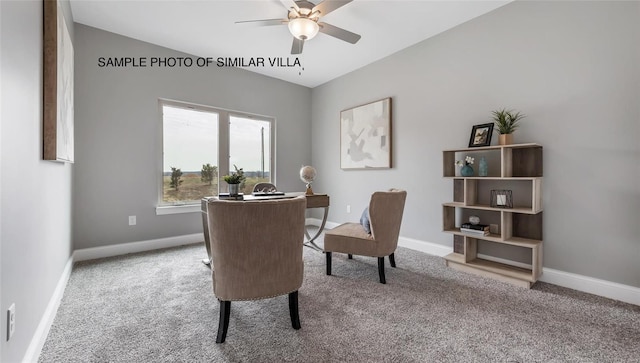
(206, 28)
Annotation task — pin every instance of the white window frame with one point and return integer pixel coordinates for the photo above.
(224, 119)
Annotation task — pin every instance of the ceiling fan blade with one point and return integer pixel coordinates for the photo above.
(328, 6)
(339, 33)
(288, 4)
(264, 22)
(296, 47)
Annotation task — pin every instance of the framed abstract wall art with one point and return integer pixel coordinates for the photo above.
(58, 143)
(365, 136)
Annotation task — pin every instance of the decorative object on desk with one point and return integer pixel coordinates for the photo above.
(307, 174)
(506, 122)
(234, 180)
(234, 189)
(481, 135)
(264, 187)
(483, 168)
(466, 169)
(501, 199)
(267, 194)
(57, 124)
(474, 219)
(365, 136)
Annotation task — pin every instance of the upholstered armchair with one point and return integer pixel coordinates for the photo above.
(385, 217)
(256, 250)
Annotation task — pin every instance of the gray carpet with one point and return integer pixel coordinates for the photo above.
(159, 306)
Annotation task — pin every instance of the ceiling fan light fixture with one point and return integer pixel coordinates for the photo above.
(303, 28)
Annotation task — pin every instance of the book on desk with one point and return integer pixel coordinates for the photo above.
(266, 194)
(227, 196)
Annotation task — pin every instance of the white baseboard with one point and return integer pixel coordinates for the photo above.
(133, 247)
(608, 289)
(40, 336)
(423, 246)
(611, 290)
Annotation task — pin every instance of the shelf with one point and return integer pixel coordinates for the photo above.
(518, 160)
(514, 241)
(454, 204)
(508, 271)
(486, 207)
(491, 237)
(495, 147)
(517, 168)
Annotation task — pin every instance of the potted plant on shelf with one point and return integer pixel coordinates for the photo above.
(234, 180)
(506, 122)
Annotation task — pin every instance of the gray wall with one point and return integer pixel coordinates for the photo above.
(36, 195)
(572, 67)
(117, 125)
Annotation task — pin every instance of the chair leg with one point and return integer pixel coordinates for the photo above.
(392, 260)
(293, 310)
(328, 254)
(223, 324)
(381, 270)
(350, 256)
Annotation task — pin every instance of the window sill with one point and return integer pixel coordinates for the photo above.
(177, 209)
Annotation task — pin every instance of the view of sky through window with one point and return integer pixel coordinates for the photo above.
(250, 144)
(190, 138)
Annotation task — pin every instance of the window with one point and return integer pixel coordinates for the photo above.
(249, 148)
(201, 144)
(190, 149)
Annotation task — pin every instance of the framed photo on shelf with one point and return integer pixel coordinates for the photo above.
(365, 136)
(481, 135)
(501, 199)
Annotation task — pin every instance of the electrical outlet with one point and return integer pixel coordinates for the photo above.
(11, 320)
(132, 220)
(348, 208)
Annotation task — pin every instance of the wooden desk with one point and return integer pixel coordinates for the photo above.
(313, 201)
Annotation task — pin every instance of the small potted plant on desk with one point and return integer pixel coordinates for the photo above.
(234, 180)
(506, 122)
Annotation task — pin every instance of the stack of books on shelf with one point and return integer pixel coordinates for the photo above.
(475, 229)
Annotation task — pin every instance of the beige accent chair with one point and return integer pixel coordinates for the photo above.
(256, 250)
(385, 211)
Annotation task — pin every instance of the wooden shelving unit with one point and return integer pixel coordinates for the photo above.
(520, 166)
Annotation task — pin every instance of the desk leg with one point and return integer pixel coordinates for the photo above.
(310, 240)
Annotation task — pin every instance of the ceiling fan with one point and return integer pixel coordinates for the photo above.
(303, 20)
